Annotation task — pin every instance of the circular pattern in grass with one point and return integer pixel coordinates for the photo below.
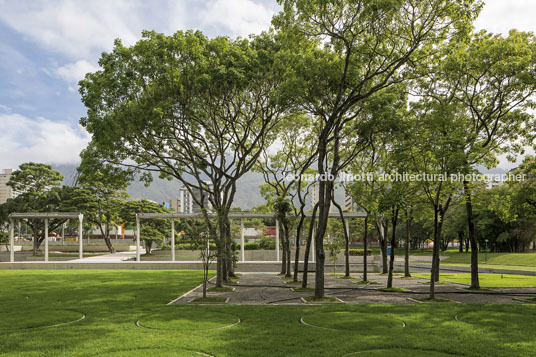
(364, 323)
(396, 352)
(24, 319)
(499, 319)
(175, 352)
(188, 320)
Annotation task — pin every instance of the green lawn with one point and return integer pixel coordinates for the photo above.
(486, 280)
(114, 300)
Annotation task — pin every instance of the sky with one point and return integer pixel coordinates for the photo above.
(47, 46)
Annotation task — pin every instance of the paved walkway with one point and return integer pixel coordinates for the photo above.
(110, 258)
(261, 289)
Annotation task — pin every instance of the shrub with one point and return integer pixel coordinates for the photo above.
(251, 246)
(358, 252)
(267, 243)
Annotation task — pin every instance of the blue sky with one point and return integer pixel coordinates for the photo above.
(46, 47)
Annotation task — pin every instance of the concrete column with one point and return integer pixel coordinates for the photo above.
(80, 236)
(242, 253)
(276, 239)
(46, 239)
(11, 240)
(137, 239)
(172, 240)
(63, 234)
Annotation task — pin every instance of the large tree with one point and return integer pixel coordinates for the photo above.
(39, 190)
(345, 51)
(191, 108)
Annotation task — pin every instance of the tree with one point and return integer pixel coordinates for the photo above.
(39, 191)
(103, 191)
(191, 108)
(283, 175)
(491, 80)
(343, 52)
(152, 230)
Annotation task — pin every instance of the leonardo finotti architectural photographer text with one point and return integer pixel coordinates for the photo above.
(409, 177)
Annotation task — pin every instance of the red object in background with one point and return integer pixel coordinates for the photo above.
(269, 230)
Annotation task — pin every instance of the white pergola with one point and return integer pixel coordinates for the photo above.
(232, 215)
(45, 216)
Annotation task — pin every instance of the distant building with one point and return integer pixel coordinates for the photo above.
(185, 202)
(5, 191)
(493, 183)
(315, 197)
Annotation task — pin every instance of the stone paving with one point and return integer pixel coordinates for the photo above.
(268, 288)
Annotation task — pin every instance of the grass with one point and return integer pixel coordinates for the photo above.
(114, 300)
(487, 280)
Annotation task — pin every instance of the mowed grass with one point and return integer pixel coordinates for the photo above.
(486, 280)
(114, 300)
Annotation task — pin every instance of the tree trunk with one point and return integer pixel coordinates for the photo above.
(434, 256)
(284, 250)
(365, 247)
(230, 253)
(346, 240)
(108, 242)
(308, 247)
(325, 194)
(288, 274)
(406, 243)
(297, 255)
(475, 284)
(394, 220)
(460, 241)
(383, 233)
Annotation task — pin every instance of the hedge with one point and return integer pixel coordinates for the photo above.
(357, 252)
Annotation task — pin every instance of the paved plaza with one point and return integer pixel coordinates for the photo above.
(268, 288)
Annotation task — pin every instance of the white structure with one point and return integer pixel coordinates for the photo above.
(45, 216)
(5, 191)
(232, 215)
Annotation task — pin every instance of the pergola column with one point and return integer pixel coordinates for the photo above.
(276, 239)
(11, 241)
(46, 239)
(137, 238)
(172, 239)
(242, 253)
(80, 236)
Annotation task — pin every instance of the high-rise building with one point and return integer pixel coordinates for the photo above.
(5, 191)
(315, 197)
(185, 202)
(348, 201)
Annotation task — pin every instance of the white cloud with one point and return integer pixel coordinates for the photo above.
(500, 16)
(39, 140)
(240, 17)
(73, 72)
(76, 28)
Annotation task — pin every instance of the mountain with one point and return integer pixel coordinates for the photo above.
(247, 193)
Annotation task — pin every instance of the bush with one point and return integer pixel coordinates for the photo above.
(267, 243)
(251, 246)
(358, 252)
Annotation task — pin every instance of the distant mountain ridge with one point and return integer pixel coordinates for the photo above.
(247, 194)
